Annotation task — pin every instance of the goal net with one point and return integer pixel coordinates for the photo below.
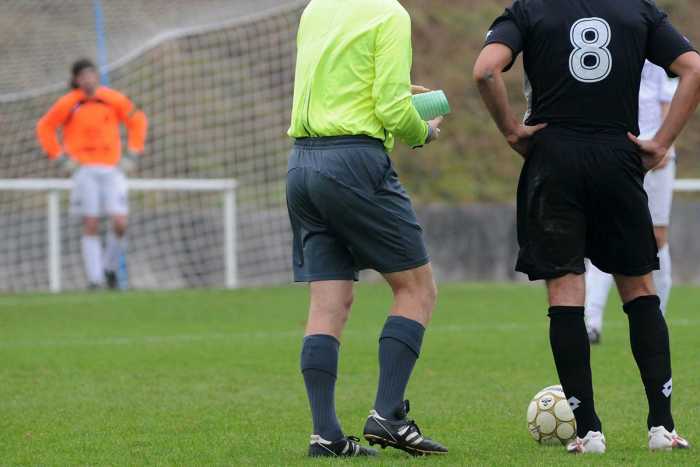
(215, 80)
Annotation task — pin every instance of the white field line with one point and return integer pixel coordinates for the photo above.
(238, 336)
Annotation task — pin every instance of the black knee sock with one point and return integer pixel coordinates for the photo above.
(399, 348)
(319, 365)
(572, 356)
(651, 349)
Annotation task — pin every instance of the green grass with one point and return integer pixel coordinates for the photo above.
(211, 378)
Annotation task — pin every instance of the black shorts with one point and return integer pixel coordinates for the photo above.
(583, 196)
(349, 211)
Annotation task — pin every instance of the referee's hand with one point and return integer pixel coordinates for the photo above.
(521, 137)
(434, 132)
(652, 153)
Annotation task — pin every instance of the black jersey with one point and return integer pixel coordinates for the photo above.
(584, 58)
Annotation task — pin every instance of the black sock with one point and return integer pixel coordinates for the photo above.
(572, 356)
(651, 349)
(319, 365)
(399, 348)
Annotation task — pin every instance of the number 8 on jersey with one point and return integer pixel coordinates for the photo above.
(590, 61)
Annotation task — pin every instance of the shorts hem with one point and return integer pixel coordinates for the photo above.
(335, 276)
(636, 272)
(539, 275)
(405, 266)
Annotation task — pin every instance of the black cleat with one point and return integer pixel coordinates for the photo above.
(594, 336)
(401, 434)
(344, 447)
(111, 280)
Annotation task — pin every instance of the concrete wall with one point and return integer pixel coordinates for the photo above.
(479, 242)
(179, 248)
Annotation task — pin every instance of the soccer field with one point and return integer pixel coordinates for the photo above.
(212, 378)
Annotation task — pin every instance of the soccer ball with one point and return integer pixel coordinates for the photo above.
(550, 419)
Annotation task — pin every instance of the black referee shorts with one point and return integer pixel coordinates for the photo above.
(583, 196)
(349, 211)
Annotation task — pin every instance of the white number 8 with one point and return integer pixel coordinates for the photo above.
(590, 61)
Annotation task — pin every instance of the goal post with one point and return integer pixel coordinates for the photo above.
(215, 79)
(54, 188)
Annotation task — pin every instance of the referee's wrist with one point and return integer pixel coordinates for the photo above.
(429, 138)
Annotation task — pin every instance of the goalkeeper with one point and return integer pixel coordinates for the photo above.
(89, 118)
(349, 212)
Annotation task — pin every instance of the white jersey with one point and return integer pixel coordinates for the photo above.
(656, 89)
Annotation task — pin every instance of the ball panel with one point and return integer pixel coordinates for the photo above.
(532, 412)
(563, 411)
(546, 422)
(565, 432)
(534, 431)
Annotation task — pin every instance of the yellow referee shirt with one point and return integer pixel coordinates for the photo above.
(353, 73)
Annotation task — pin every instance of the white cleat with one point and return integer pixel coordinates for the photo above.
(660, 439)
(592, 443)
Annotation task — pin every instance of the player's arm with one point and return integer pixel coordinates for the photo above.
(488, 75)
(685, 101)
(665, 107)
(681, 109)
(504, 42)
(48, 126)
(46, 131)
(392, 84)
(136, 124)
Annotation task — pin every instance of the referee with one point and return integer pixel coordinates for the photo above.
(581, 191)
(348, 210)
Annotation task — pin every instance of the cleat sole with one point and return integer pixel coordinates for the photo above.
(372, 440)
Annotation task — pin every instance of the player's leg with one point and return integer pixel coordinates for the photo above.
(400, 342)
(402, 336)
(321, 258)
(116, 200)
(651, 349)
(552, 228)
(663, 278)
(369, 209)
(571, 349)
(628, 250)
(598, 285)
(92, 251)
(659, 187)
(115, 249)
(330, 303)
(85, 202)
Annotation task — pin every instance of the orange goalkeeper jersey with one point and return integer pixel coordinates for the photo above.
(90, 127)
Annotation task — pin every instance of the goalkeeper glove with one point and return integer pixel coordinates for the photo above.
(66, 165)
(128, 163)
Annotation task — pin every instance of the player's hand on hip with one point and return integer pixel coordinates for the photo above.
(434, 132)
(666, 160)
(66, 165)
(128, 163)
(521, 138)
(652, 153)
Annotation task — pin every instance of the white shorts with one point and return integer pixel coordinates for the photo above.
(659, 187)
(99, 191)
